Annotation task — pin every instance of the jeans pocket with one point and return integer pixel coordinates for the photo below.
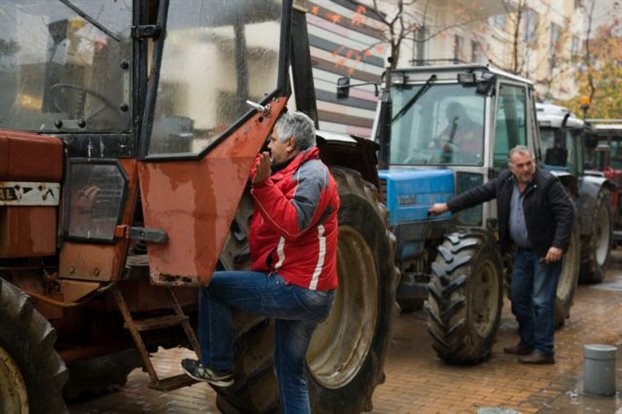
(317, 304)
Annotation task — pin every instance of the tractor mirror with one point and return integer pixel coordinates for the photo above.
(556, 156)
(343, 87)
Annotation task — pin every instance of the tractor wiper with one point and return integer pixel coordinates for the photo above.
(89, 19)
(415, 98)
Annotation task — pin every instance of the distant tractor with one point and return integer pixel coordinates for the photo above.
(604, 157)
(443, 130)
(563, 138)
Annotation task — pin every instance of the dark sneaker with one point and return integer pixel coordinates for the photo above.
(518, 349)
(537, 358)
(194, 369)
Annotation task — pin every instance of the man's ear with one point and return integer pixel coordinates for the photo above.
(291, 144)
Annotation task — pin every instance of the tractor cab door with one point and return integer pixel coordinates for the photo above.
(200, 136)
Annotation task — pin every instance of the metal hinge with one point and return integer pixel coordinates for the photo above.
(146, 31)
(156, 236)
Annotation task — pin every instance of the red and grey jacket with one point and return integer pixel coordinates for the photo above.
(294, 227)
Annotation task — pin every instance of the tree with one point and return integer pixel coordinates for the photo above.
(408, 20)
(601, 76)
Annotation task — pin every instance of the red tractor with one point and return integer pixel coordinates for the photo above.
(127, 132)
(604, 156)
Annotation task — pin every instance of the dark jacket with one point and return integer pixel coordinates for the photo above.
(549, 211)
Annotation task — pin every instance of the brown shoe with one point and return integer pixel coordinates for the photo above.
(518, 349)
(537, 358)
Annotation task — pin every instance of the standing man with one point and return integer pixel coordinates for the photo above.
(293, 246)
(536, 214)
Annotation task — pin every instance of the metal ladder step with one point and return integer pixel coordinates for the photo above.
(136, 326)
(158, 322)
(172, 383)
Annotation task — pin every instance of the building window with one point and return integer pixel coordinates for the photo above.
(498, 21)
(554, 43)
(476, 52)
(574, 47)
(530, 22)
(458, 49)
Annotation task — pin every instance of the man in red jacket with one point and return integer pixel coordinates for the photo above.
(293, 245)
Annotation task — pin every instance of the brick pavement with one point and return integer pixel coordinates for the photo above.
(419, 383)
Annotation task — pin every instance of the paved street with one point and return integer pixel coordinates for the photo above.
(418, 382)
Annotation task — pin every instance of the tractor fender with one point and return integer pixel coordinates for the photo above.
(588, 189)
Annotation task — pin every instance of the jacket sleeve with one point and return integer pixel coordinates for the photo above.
(475, 196)
(291, 217)
(563, 212)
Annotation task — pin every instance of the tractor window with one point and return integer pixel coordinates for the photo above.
(511, 123)
(217, 55)
(65, 69)
(445, 126)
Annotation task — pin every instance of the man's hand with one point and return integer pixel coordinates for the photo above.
(438, 208)
(553, 255)
(262, 168)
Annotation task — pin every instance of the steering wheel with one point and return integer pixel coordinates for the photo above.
(55, 92)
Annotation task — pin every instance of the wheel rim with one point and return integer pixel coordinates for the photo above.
(485, 297)
(602, 236)
(341, 343)
(13, 393)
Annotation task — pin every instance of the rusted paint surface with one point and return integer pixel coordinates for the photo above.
(195, 201)
(74, 290)
(101, 262)
(141, 296)
(27, 231)
(25, 156)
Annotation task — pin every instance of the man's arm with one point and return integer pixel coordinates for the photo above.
(467, 199)
(291, 217)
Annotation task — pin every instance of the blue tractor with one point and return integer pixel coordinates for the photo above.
(443, 130)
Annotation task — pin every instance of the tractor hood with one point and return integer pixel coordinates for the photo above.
(409, 193)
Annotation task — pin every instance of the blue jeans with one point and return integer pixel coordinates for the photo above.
(296, 310)
(532, 292)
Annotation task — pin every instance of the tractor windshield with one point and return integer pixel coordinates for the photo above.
(217, 55)
(445, 126)
(65, 65)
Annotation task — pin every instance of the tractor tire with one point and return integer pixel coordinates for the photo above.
(465, 297)
(94, 377)
(345, 360)
(32, 374)
(568, 279)
(596, 246)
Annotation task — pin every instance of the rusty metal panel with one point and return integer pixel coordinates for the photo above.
(30, 157)
(27, 231)
(194, 202)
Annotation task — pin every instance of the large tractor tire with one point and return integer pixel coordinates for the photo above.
(345, 361)
(568, 279)
(465, 297)
(32, 374)
(596, 246)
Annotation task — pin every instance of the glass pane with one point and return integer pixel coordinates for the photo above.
(511, 123)
(95, 195)
(60, 71)
(217, 54)
(443, 127)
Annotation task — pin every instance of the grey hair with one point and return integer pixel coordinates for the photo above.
(519, 149)
(297, 125)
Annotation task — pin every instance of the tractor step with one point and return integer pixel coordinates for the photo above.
(172, 383)
(158, 322)
(137, 326)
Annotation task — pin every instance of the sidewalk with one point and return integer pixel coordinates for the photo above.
(419, 383)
